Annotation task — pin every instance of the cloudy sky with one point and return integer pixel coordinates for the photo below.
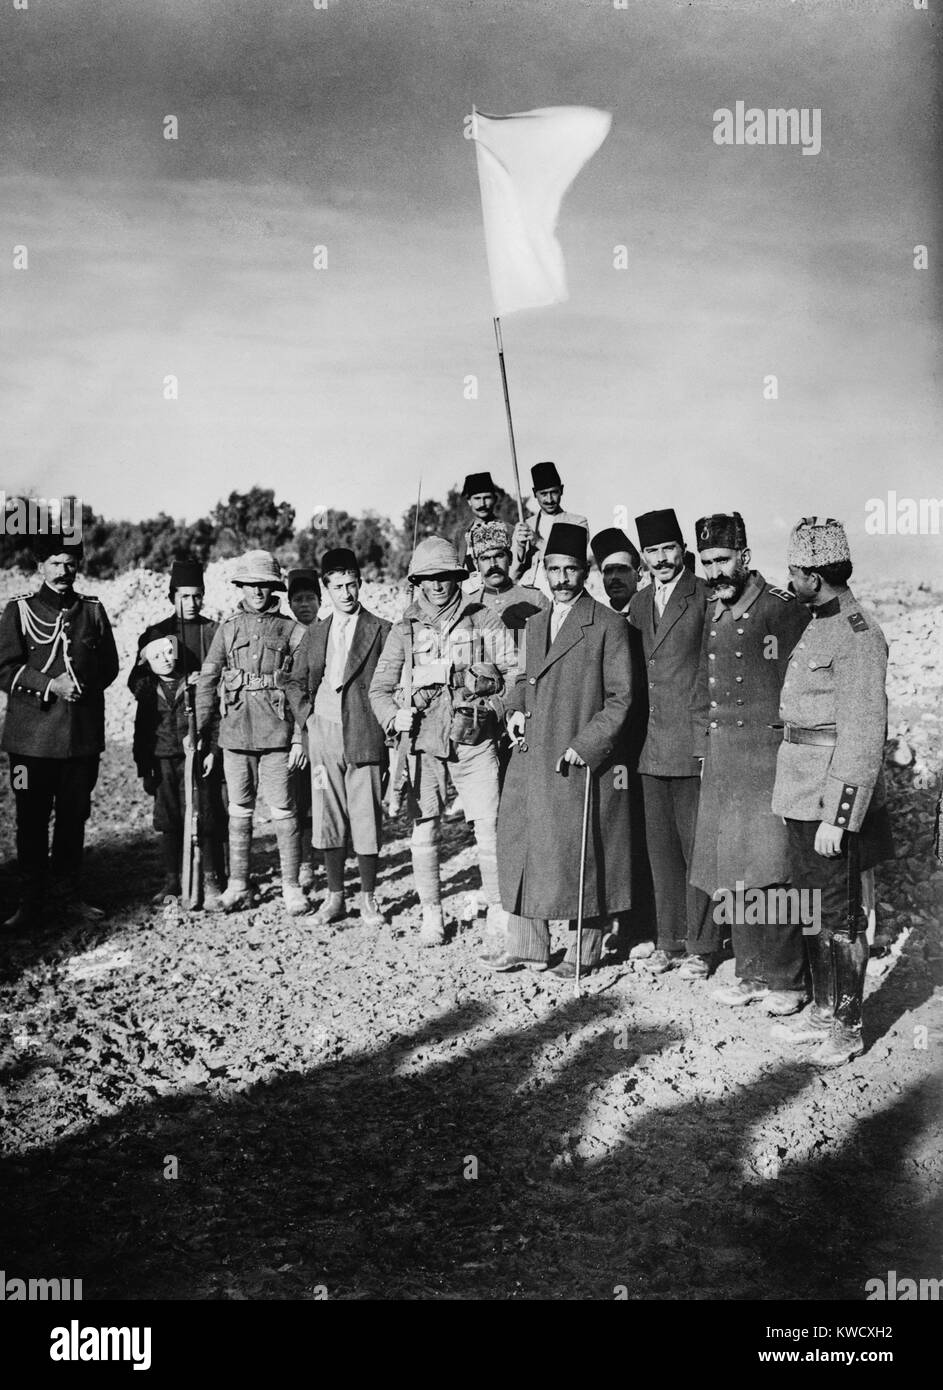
(342, 127)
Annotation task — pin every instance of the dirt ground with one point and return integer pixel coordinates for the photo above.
(347, 1112)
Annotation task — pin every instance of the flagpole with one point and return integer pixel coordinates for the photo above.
(416, 517)
(507, 407)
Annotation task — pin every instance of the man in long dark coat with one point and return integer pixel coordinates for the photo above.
(569, 707)
(751, 630)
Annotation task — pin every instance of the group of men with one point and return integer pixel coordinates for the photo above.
(692, 739)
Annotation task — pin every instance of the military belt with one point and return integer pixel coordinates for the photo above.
(251, 681)
(826, 737)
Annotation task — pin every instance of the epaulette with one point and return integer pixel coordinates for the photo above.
(859, 622)
(784, 594)
(15, 598)
(88, 598)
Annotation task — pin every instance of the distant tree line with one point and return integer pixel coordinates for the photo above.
(253, 520)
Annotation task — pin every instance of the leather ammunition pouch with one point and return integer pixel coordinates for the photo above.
(473, 720)
(483, 678)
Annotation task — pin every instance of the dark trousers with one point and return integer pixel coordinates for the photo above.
(170, 799)
(836, 964)
(682, 912)
(771, 952)
(42, 786)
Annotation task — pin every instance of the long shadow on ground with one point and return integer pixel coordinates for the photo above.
(422, 1171)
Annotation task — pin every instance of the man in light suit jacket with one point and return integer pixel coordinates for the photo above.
(669, 613)
(328, 692)
(530, 542)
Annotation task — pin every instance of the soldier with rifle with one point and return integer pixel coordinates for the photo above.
(165, 754)
(437, 693)
(198, 840)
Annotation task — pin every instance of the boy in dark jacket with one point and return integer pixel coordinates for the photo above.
(160, 729)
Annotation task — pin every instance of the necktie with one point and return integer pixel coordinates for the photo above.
(339, 632)
(560, 610)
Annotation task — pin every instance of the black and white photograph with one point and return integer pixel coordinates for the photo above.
(471, 668)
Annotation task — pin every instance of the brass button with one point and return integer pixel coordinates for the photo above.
(713, 704)
(533, 680)
(713, 723)
(739, 631)
(711, 656)
(846, 805)
(739, 723)
(710, 680)
(842, 819)
(738, 679)
(738, 653)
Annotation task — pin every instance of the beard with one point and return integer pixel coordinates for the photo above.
(729, 587)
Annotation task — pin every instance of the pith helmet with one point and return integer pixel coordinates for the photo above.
(435, 555)
(257, 567)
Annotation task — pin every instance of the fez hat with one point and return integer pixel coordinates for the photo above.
(658, 528)
(340, 558)
(545, 475)
(479, 482)
(815, 541)
(490, 535)
(567, 539)
(435, 555)
(303, 579)
(49, 543)
(723, 531)
(257, 567)
(186, 574)
(613, 541)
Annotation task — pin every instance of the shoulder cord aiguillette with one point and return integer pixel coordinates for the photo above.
(41, 632)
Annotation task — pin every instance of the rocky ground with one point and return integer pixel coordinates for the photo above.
(246, 1107)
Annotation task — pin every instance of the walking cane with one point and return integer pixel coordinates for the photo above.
(579, 911)
(563, 768)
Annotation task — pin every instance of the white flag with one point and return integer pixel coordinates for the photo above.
(526, 162)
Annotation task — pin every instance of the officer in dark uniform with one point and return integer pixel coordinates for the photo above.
(829, 785)
(750, 632)
(57, 658)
